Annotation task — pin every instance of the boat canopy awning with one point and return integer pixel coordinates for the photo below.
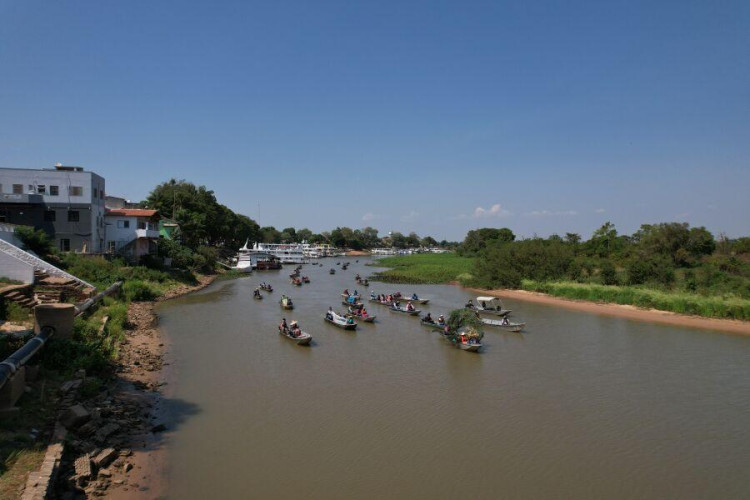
(486, 299)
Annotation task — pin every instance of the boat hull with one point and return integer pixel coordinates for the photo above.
(510, 327)
(468, 347)
(415, 312)
(434, 326)
(347, 326)
(303, 339)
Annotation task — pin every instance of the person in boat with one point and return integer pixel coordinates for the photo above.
(463, 338)
(346, 292)
(506, 321)
(409, 306)
(372, 295)
(484, 305)
(441, 319)
(414, 296)
(350, 320)
(356, 293)
(470, 304)
(329, 313)
(428, 318)
(294, 330)
(283, 326)
(363, 313)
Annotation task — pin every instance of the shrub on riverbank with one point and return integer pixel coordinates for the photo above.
(425, 269)
(683, 303)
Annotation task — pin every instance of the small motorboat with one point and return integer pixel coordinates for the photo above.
(257, 296)
(353, 305)
(414, 298)
(488, 305)
(340, 321)
(305, 279)
(504, 324)
(433, 324)
(266, 287)
(296, 282)
(303, 338)
(332, 271)
(472, 347)
(402, 309)
(286, 303)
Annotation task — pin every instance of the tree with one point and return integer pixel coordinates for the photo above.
(304, 234)
(573, 238)
(608, 273)
(479, 239)
(37, 241)
(428, 241)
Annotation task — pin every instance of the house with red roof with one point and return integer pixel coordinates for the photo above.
(132, 232)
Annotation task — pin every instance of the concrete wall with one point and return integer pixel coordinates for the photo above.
(15, 269)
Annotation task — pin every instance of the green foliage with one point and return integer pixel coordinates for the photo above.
(202, 220)
(425, 268)
(608, 273)
(654, 269)
(477, 240)
(139, 291)
(37, 241)
(102, 272)
(505, 264)
(12, 311)
(459, 319)
(683, 303)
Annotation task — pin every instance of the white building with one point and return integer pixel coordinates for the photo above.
(132, 232)
(66, 202)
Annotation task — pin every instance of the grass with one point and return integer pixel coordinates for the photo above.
(678, 302)
(425, 269)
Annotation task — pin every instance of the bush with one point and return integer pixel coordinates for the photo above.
(37, 241)
(608, 273)
(659, 270)
(139, 291)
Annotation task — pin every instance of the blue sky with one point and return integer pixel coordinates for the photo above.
(436, 117)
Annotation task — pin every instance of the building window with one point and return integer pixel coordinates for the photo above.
(64, 245)
(74, 216)
(123, 224)
(141, 225)
(54, 190)
(75, 191)
(50, 216)
(96, 193)
(17, 188)
(41, 189)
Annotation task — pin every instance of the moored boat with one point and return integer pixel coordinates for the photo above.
(432, 324)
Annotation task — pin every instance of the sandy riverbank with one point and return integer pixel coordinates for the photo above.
(624, 311)
(357, 253)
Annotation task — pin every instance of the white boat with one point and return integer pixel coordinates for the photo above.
(413, 312)
(244, 260)
(504, 325)
(286, 253)
(340, 321)
(488, 305)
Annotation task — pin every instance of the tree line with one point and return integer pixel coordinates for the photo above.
(668, 255)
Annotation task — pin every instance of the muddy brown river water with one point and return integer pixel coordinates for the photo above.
(578, 406)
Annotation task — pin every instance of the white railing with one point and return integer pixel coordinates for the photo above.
(146, 233)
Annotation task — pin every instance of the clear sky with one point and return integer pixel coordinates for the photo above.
(431, 116)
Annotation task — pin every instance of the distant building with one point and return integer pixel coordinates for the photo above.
(117, 202)
(66, 202)
(132, 232)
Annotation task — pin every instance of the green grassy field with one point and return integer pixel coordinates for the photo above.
(425, 268)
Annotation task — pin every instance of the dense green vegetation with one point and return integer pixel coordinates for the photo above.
(425, 268)
(668, 266)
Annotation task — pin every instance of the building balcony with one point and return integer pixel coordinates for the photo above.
(146, 233)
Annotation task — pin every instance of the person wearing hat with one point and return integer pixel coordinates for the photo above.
(294, 329)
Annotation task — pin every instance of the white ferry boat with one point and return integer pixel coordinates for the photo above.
(286, 253)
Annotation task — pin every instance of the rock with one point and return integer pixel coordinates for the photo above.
(82, 468)
(75, 416)
(127, 467)
(105, 457)
(105, 473)
(105, 431)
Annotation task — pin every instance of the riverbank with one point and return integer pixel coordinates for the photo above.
(622, 311)
(129, 407)
(424, 269)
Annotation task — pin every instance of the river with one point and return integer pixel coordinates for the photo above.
(578, 406)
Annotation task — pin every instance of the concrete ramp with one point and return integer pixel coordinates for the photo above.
(11, 254)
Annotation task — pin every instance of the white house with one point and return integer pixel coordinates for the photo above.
(132, 232)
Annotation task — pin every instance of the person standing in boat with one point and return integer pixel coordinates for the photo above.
(428, 318)
(283, 326)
